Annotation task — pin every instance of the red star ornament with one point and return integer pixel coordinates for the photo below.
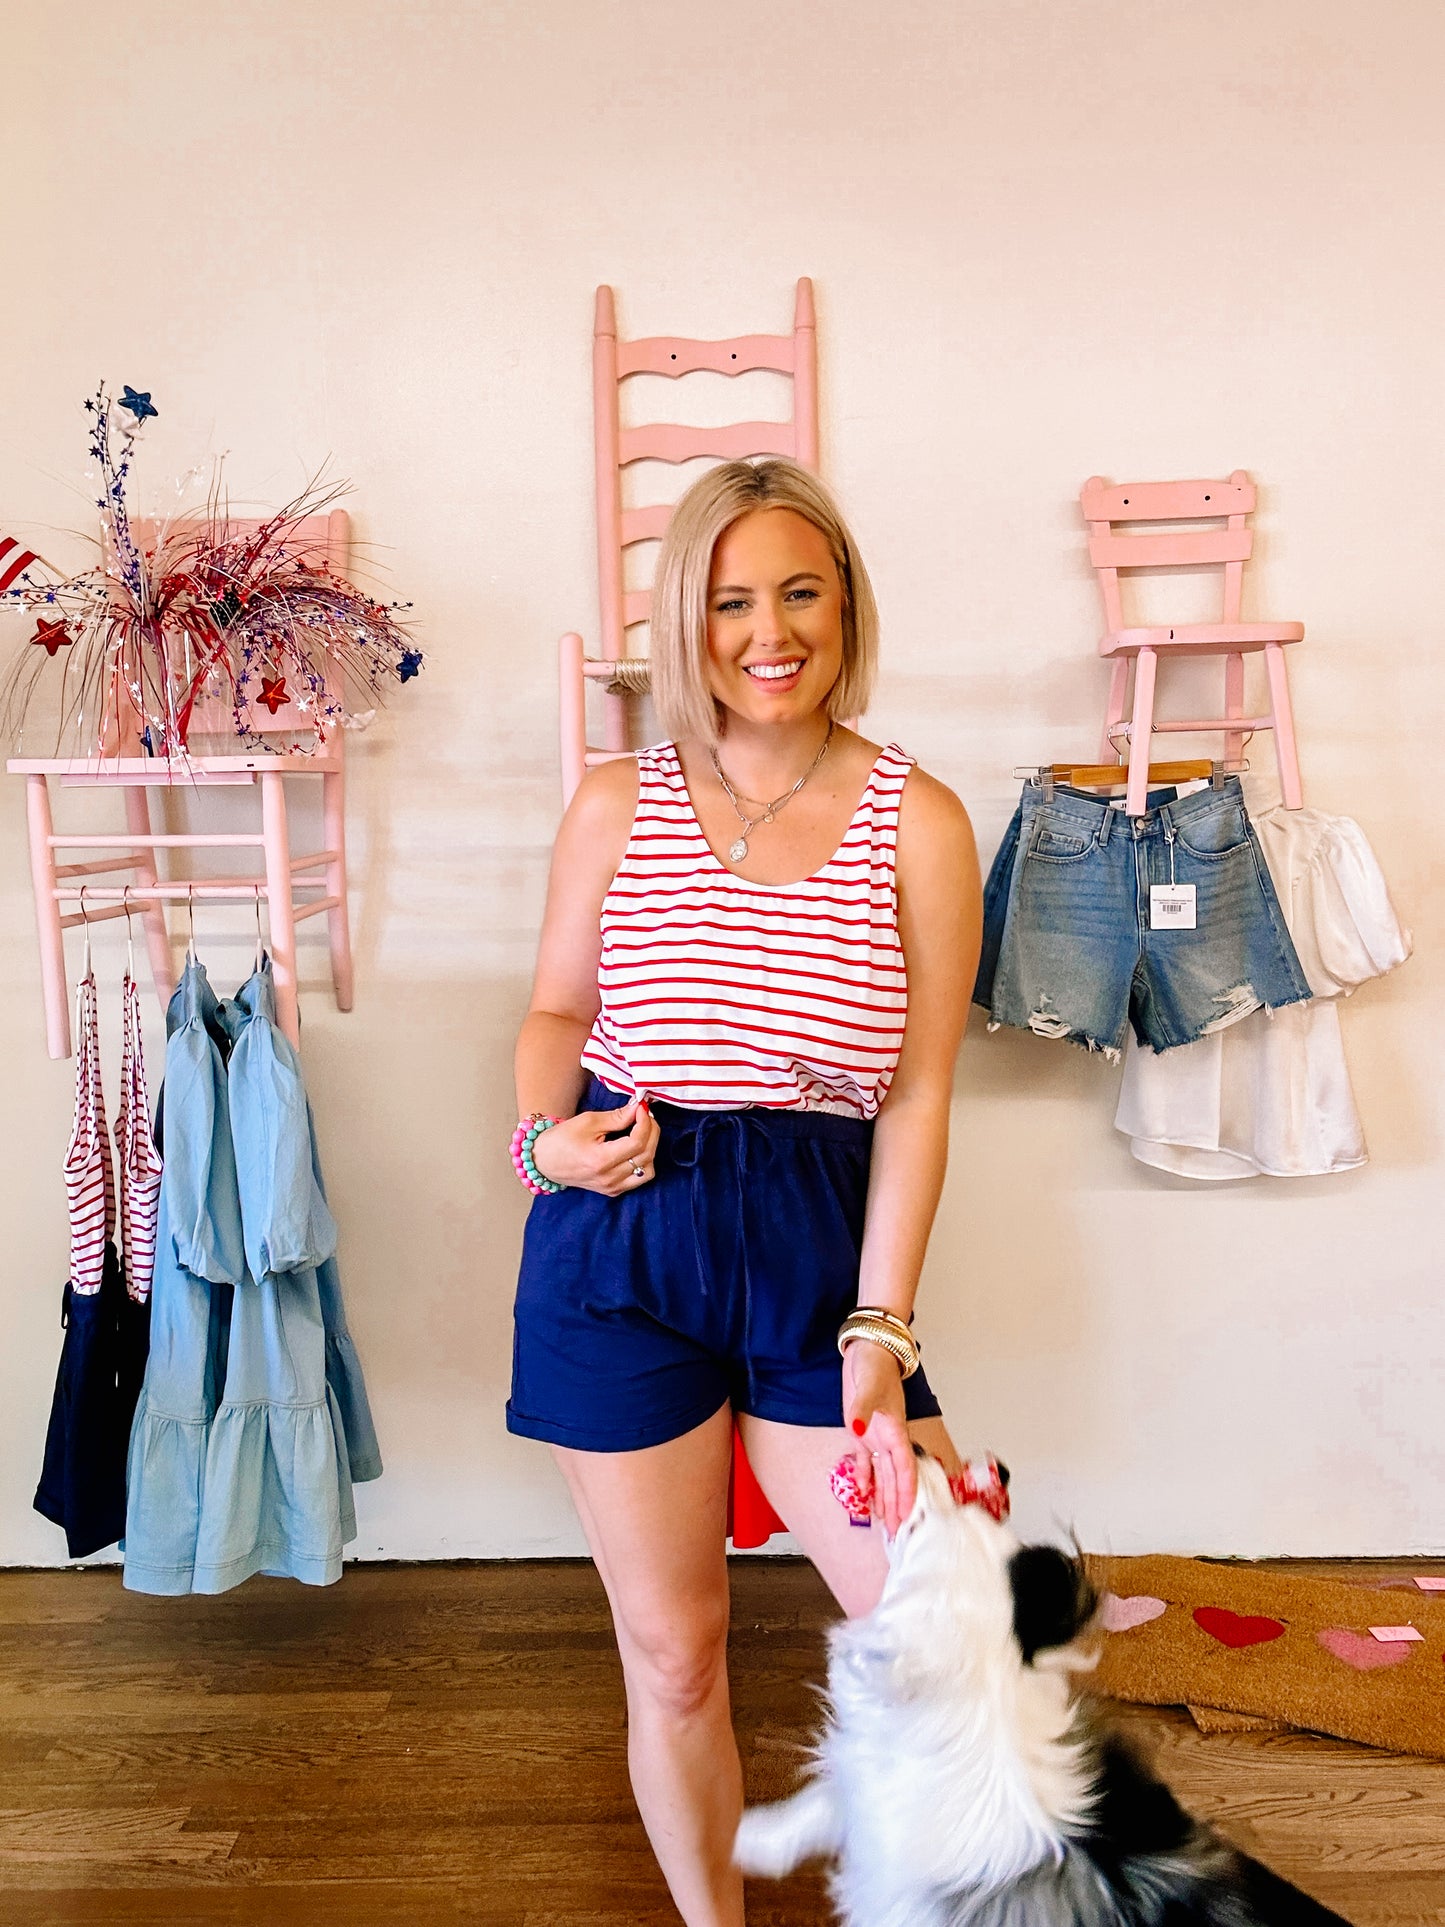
(52, 635)
(273, 693)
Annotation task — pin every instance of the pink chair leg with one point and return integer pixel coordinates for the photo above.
(338, 920)
(1118, 689)
(279, 902)
(47, 917)
(1141, 734)
(153, 913)
(1285, 748)
(1234, 704)
(572, 716)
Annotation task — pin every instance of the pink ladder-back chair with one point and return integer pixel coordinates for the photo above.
(287, 887)
(751, 1520)
(1230, 503)
(618, 529)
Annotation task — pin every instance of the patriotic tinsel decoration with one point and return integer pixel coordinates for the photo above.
(197, 616)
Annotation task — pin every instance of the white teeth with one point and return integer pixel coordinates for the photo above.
(772, 671)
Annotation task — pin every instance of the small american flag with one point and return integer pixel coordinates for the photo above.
(15, 559)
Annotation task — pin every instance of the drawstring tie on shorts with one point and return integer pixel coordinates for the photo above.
(748, 1152)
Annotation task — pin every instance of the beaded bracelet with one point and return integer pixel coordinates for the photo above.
(523, 1163)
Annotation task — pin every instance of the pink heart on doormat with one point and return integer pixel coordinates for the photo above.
(1123, 1615)
(1361, 1651)
(1236, 1629)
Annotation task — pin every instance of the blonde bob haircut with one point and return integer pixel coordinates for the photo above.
(685, 705)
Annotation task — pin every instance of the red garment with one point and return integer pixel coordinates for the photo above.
(89, 1178)
(751, 1520)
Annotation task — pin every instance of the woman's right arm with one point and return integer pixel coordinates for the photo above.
(565, 1001)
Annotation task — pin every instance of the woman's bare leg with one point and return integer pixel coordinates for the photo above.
(656, 1522)
(792, 1463)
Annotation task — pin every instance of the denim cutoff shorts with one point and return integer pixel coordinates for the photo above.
(1067, 946)
(722, 1280)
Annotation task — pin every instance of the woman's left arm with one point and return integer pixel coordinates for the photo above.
(939, 926)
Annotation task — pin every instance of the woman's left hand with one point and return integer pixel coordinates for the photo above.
(874, 1413)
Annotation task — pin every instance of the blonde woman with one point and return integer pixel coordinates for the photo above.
(734, 1081)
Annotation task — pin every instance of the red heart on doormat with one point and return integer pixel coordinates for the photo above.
(1361, 1651)
(1236, 1629)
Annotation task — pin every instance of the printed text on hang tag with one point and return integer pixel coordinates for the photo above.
(1171, 906)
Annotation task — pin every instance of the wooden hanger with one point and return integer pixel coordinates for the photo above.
(1115, 776)
(1090, 776)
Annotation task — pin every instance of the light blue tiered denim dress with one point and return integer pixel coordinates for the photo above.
(200, 1256)
(254, 1419)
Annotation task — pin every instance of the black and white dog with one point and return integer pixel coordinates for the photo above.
(960, 1783)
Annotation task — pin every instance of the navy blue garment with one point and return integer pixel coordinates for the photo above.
(721, 1281)
(995, 909)
(102, 1361)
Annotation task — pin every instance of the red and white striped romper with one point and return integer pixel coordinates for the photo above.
(719, 992)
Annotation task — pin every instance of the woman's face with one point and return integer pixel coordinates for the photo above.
(774, 617)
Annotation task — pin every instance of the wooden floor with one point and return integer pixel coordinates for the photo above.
(438, 1744)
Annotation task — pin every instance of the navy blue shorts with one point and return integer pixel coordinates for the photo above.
(723, 1280)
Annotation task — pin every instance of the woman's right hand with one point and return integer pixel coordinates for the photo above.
(581, 1152)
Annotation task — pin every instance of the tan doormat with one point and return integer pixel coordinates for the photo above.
(1185, 1632)
(1215, 1719)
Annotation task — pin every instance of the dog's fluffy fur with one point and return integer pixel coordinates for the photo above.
(958, 1782)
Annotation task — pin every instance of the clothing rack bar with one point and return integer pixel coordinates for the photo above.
(247, 885)
(237, 888)
(313, 862)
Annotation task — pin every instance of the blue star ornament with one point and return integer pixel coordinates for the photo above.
(140, 405)
(410, 664)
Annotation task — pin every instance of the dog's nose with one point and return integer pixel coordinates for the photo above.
(918, 1452)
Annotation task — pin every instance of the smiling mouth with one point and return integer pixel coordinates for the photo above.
(773, 671)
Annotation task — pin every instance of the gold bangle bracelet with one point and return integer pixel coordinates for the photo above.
(890, 1333)
(900, 1325)
(907, 1359)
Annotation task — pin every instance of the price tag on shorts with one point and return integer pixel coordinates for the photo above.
(1171, 906)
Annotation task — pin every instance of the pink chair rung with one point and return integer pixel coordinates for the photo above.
(287, 888)
(1112, 511)
(618, 529)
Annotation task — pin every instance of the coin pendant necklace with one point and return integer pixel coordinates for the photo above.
(738, 848)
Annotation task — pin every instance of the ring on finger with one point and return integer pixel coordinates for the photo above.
(637, 1170)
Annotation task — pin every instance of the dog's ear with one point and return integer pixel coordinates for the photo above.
(1053, 1600)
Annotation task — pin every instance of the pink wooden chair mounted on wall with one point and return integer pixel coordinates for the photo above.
(288, 885)
(619, 676)
(1114, 545)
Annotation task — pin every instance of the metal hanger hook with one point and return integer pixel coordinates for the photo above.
(129, 933)
(191, 920)
(260, 946)
(85, 922)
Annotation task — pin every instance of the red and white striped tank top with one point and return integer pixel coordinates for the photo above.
(718, 992)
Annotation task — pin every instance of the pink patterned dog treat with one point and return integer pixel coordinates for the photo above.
(843, 1484)
(979, 1483)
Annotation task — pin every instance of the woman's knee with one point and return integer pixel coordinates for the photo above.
(677, 1660)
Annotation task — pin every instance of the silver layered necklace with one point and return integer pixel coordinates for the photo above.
(738, 849)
